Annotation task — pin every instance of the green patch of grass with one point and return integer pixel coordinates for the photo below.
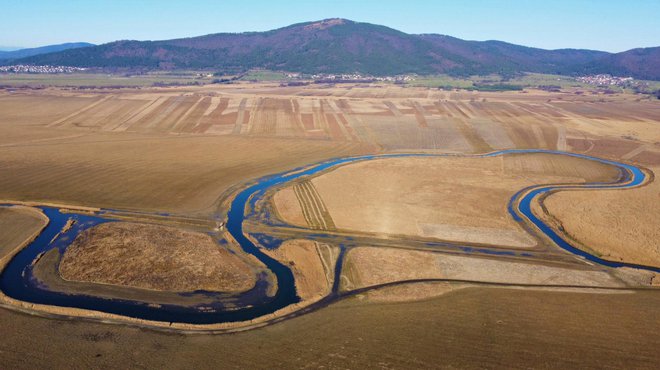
(265, 75)
(538, 79)
(104, 79)
(442, 81)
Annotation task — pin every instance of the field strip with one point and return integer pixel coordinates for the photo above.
(478, 144)
(304, 205)
(166, 112)
(468, 108)
(239, 117)
(344, 126)
(343, 121)
(539, 136)
(313, 206)
(37, 141)
(323, 211)
(79, 111)
(393, 109)
(300, 126)
(215, 101)
(561, 138)
(141, 113)
(635, 151)
(442, 109)
(460, 110)
(249, 119)
(328, 270)
(420, 113)
(186, 114)
(314, 210)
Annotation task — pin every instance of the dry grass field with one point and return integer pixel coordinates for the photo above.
(468, 328)
(369, 266)
(455, 199)
(618, 225)
(149, 172)
(154, 257)
(312, 265)
(17, 226)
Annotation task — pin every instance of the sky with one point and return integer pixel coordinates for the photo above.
(609, 25)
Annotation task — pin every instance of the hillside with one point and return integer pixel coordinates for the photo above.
(23, 53)
(644, 61)
(343, 46)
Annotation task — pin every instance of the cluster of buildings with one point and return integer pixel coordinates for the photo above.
(605, 80)
(23, 68)
(352, 77)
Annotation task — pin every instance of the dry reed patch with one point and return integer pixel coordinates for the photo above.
(457, 199)
(370, 266)
(154, 257)
(619, 225)
(311, 264)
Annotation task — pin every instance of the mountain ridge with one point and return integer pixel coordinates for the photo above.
(28, 52)
(338, 45)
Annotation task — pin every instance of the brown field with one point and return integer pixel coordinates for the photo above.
(312, 265)
(145, 172)
(410, 292)
(369, 266)
(154, 257)
(617, 225)
(468, 328)
(183, 150)
(390, 117)
(456, 199)
(18, 225)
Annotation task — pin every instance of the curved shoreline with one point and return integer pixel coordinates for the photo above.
(286, 299)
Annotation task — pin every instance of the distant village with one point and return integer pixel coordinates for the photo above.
(352, 77)
(605, 80)
(22, 68)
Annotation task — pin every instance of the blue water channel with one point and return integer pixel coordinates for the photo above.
(18, 282)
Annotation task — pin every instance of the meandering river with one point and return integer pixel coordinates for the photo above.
(17, 279)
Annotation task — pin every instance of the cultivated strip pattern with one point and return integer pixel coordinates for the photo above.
(314, 210)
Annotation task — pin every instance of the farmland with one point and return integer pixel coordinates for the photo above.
(444, 331)
(377, 249)
(103, 79)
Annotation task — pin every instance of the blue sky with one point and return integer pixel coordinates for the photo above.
(592, 24)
